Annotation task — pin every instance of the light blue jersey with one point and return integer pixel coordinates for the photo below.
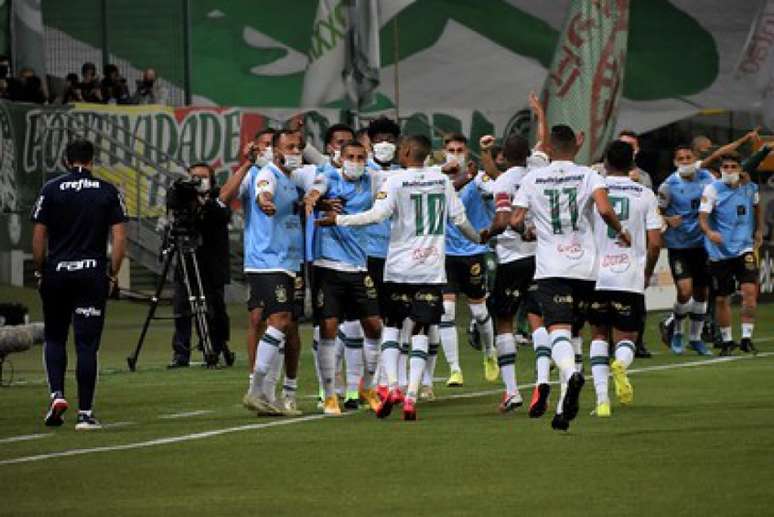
(271, 243)
(345, 244)
(475, 207)
(378, 235)
(731, 214)
(680, 196)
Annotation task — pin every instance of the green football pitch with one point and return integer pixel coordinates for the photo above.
(699, 439)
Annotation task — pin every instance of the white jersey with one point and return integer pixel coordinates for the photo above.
(623, 268)
(559, 198)
(419, 201)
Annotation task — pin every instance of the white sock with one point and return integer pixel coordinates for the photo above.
(698, 311)
(265, 354)
(339, 375)
(271, 380)
(600, 369)
(448, 333)
(624, 352)
(577, 349)
(371, 355)
(315, 345)
(326, 357)
(562, 352)
(419, 349)
(562, 391)
(747, 330)
(289, 387)
(352, 335)
(726, 334)
(542, 344)
(390, 355)
(506, 359)
(432, 354)
(681, 310)
(485, 326)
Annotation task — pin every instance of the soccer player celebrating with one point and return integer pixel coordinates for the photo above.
(419, 200)
(618, 303)
(465, 268)
(273, 253)
(731, 219)
(341, 285)
(560, 198)
(514, 281)
(679, 197)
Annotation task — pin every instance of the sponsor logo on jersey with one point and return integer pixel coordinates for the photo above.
(475, 269)
(78, 185)
(381, 195)
(88, 312)
(320, 299)
(298, 283)
(572, 251)
(617, 263)
(562, 299)
(76, 265)
(422, 255)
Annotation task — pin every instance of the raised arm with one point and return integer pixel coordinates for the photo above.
(729, 148)
(542, 132)
(487, 160)
(230, 189)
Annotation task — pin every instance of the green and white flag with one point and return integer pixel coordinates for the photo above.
(585, 80)
(344, 53)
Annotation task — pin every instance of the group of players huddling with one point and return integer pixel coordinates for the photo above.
(392, 239)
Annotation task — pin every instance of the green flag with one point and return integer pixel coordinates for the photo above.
(585, 80)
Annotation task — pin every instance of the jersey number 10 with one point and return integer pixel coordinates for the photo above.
(429, 208)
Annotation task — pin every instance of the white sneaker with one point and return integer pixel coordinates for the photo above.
(87, 422)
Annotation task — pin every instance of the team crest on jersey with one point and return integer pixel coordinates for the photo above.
(679, 267)
(381, 194)
(426, 297)
(298, 283)
(368, 282)
(749, 262)
(320, 299)
(563, 299)
(622, 309)
(280, 294)
(263, 183)
(475, 269)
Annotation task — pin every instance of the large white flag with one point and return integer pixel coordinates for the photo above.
(585, 80)
(344, 53)
(756, 65)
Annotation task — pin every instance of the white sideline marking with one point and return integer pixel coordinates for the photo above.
(290, 421)
(24, 437)
(114, 425)
(186, 414)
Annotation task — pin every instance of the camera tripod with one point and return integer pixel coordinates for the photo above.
(180, 244)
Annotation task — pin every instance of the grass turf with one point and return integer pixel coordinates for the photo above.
(697, 441)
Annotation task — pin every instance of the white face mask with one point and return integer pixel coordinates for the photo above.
(729, 177)
(353, 170)
(384, 152)
(686, 171)
(293, 161)
(370, 156)
(204, 186)
(267, 154)
(336, 156)
(459, 159)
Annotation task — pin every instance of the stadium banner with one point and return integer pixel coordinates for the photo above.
(450, 54)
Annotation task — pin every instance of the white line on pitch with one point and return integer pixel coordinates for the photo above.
(186, 414)
(290, 421)
(115, 425)
(25, 437)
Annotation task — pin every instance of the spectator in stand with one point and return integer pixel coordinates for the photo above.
(27, 87)
(90, 88)
(149, 91)
(72, 91)
(636, 174)
(113, 86)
